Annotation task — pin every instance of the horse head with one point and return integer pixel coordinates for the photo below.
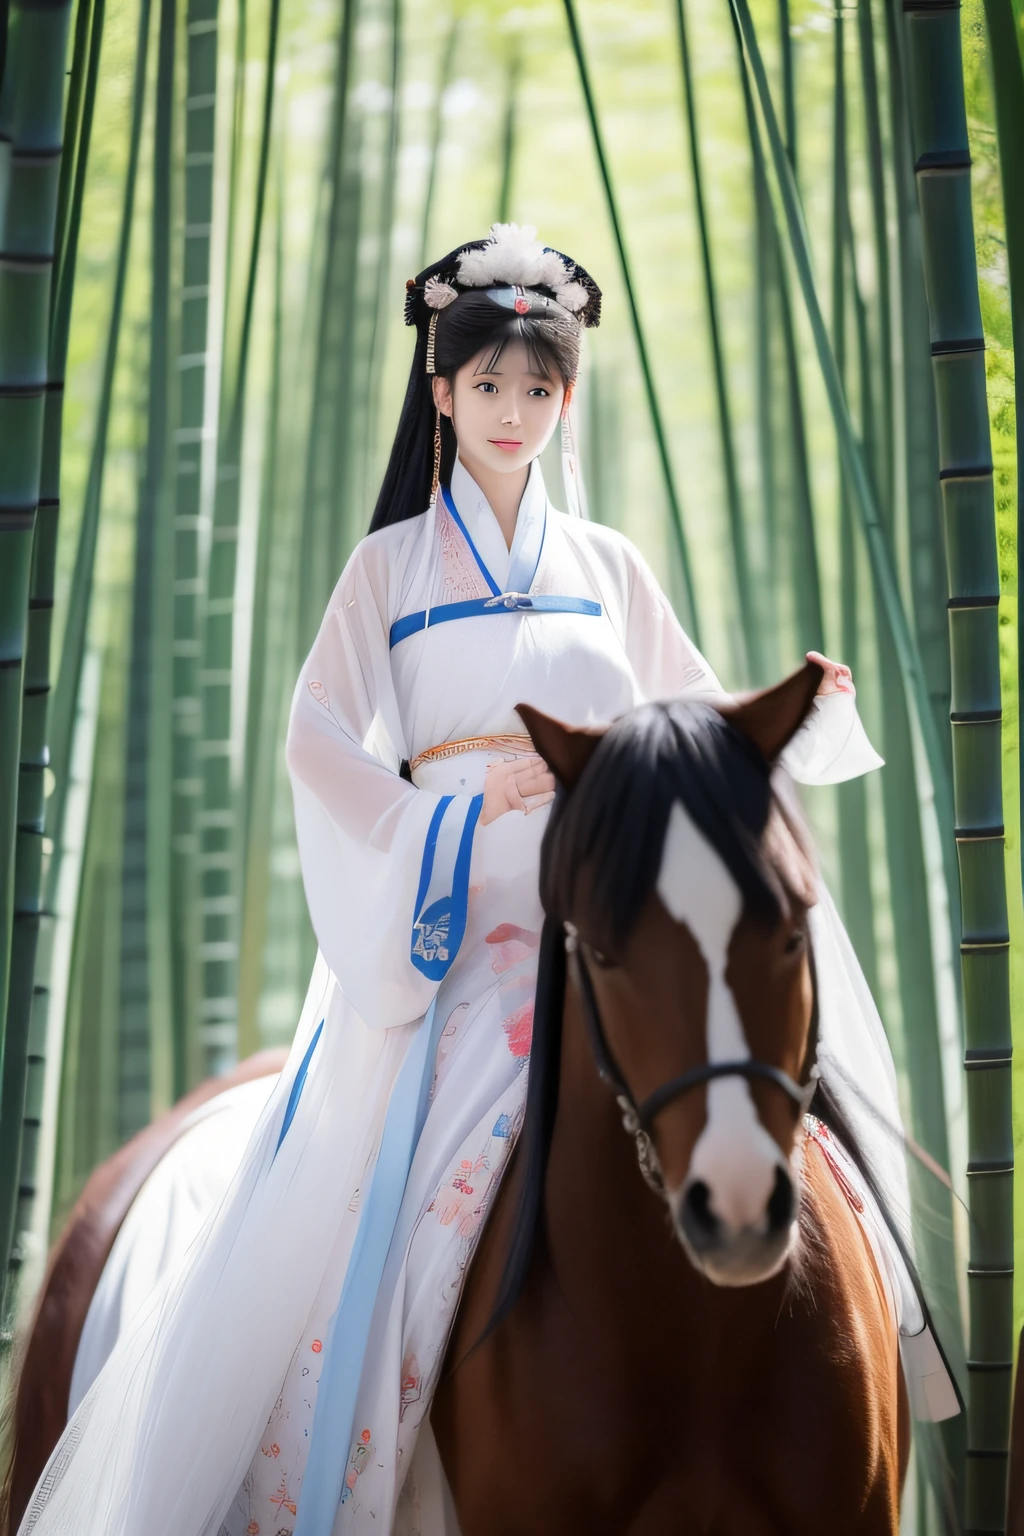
(679, 869)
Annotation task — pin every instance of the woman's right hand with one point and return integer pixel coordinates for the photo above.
(516, 784)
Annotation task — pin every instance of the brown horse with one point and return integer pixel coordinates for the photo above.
(39, 1411)
(714, 1354)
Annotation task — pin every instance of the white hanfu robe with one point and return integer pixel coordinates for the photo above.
(428, 924)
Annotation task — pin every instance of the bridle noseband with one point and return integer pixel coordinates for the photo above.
(638, 1119)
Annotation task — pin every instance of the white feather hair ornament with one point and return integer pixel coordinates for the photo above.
(438, 294)
(514, 255)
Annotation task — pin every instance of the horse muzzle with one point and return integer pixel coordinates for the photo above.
(736, 1255)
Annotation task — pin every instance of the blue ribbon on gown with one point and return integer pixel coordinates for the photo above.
(331, 1439)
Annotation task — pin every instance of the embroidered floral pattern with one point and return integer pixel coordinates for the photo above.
(518, 1029)
(463, 578)
(361, 1453)
(510, 945)
(412, 1385)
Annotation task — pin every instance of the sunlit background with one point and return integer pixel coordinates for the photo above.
(251, 186)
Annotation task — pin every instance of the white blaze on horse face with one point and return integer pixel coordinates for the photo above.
(734, 1156)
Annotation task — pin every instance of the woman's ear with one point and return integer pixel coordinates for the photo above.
(442, 395)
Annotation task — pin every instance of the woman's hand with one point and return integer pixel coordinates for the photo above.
(516, 784)
(838, 678)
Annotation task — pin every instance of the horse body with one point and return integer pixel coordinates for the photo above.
(627, 1394)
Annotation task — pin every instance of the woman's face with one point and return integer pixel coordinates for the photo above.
(502, 410)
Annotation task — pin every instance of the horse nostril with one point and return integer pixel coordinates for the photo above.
(780, 1205)
(698, 1215)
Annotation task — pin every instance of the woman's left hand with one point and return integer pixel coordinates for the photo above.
(838, 677)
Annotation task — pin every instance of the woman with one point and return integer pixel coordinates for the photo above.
(278, 1383)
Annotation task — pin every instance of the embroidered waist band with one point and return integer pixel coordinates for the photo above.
(481, 607)
(510, 743)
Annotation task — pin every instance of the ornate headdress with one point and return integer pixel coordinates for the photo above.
(515, 271)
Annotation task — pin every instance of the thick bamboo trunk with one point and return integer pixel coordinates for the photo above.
(29, 993)
(942, 161)
(31, 119)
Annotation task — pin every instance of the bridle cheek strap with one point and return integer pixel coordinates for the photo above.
(638, 1119)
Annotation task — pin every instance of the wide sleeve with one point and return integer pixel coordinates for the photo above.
(385, 864)
(830, 747)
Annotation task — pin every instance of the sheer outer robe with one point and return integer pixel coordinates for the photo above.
(168, 1433)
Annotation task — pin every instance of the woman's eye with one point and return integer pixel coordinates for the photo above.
(488, 389)
(541, 394)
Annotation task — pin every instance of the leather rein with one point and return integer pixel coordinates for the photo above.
(638, 1119)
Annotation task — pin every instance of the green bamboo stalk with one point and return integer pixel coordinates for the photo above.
(765, 303)
(73, 650)
(786, 54)
(805, 578)
(653, 404)
(27, 1005)
(942, 163)
(324, 455)
(266, 683)
(225, 887)
(382, 296)
(508, 136)
(31, 117)
(444, 75)
(750, 627)
(191, 532)
(143, 922)
(928, 575)
(81, 77)
(221, 839)
(854, 860)
(882, 454)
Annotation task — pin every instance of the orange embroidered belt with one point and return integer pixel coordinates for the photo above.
(448, 749)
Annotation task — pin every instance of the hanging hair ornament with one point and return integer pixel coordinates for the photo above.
(436, 478)
(572, 481)
(431, 342)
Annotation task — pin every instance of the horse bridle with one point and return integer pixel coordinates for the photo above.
(638, 1119)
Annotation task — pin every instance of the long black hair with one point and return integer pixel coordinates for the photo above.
(474, 323)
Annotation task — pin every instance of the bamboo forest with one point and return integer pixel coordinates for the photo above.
(807, 219)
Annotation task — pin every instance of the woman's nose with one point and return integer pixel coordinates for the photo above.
(511, 418)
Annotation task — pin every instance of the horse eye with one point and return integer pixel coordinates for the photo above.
(600, 959)
(795, 942)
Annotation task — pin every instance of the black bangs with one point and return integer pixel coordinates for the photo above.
(603, 847)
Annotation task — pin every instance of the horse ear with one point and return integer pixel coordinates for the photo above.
(771, 718)
(567, 749)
